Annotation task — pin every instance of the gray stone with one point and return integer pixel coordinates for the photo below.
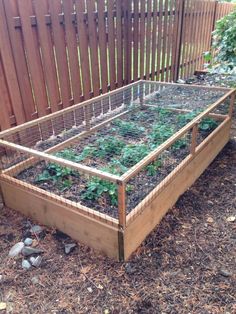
(37, 261)
(36, 229)
(1, 205)
(28, 241)
(69, 248)
(16, 249)
(225, 273)
(35, 280)
(1, 278)
(27, 251)
(26, 264)
(32, 259)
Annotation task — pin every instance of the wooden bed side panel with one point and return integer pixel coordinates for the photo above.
(98, 235)
(144, 223)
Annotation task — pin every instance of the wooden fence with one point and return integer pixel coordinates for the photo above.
(55, 53)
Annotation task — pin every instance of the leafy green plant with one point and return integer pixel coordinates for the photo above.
(88, 151)
(132, 154)
(125, 128)
(224, 45)
(184, 119)
(153, 167)
(58, 174)
(160, 133)
(208, 124)
(68, 154)
(97, 188)
(108, 146)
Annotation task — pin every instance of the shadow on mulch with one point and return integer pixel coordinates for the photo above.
(187, 264)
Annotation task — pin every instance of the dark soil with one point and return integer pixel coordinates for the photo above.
(187, 265)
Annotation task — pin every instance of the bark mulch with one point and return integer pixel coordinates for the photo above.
(187, 264)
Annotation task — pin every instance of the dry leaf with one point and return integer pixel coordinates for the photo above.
(85, 269)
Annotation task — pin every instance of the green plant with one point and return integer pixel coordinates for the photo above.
(88, 151)
(58, 174)
(224, 43)
(184, 119)
(97, 188)
(125, 128)
(132, 154)
(207, 124)
(153, 167)
(160, 133)
(68, 154)
(108, 146)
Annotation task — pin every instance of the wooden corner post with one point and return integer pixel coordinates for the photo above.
(194, 139)
(231, 106)
(122, 217)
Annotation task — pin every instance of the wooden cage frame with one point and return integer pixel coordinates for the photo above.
(117, 238)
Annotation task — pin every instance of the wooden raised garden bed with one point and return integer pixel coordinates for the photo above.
(107, 170)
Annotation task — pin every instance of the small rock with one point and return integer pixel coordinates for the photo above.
(36, 229)
(27, 251)
(1, 278)
(3, 306)
(231, 218)
(1, 206)
(35, 280)
(69, 248)
(26, 264)
(210, 220)
(16, 249)
(28, 241)
(90, 289)
(37, 261)
(129, 269)
(181, 81)
(225, 273)
(32, 259)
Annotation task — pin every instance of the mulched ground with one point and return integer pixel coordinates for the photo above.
(180, 268)
(187, 264)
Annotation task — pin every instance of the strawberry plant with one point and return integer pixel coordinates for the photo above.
(160, 133)
(132, 154)
(125, 128)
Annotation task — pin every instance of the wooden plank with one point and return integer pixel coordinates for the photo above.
(136, 40)
(127, 29)
(98, 235)
(122, 205)
(33, 57)
(155, 207)
(102, 40)
(93, 44)
(111, 44)
(46, 45)
(17, 45)
(83, 46)
(164, 41)
(60, 50)
(148, 39)
(72, 47)
(5, 102)
(169, 39)
(159, 40)
(142, 38)
(154, 40)
(119, 38)
(9, 68)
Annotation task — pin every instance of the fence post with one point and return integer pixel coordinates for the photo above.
(177, 57)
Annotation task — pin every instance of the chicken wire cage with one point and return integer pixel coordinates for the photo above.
(110, 156)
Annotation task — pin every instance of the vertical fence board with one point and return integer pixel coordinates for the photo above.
(9, 68)
(16, 39)
(45, 40)
(59, 52)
